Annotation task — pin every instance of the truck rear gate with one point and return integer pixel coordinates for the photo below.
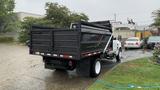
(55, 42)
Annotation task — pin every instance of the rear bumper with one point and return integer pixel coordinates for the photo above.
(53, 66)
(57, 63)
(132, 46)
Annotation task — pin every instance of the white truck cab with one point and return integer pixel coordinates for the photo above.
(116, 51)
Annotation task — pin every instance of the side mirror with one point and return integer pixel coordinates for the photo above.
(114, 38)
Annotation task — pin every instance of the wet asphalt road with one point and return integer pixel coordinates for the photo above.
(21, 71)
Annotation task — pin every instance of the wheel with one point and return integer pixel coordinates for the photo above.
(95, 69)
(119, 56)
(126, 48)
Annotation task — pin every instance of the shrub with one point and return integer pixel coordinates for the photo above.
(156, 51)
(23, 36)
(6, 39)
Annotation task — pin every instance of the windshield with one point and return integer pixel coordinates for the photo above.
(154, 39)
(132, 39)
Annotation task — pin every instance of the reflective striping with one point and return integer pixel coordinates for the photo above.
(48, 54)
(66, 56)
(37, 53)
(95, 53)
(89, 54)
(55, 55)
(70, 56)
(61, 56)
(42, 53)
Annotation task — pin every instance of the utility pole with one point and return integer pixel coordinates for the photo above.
(115, 17)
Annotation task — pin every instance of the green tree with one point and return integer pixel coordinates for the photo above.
(6, 7)
(156, 51)
(61, 16)
(28, 23)
(11, 23)
(57, 16)
(156, 18)
(7, 17)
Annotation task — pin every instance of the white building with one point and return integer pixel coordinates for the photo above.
(117, 25)
(126, 30)
(22, 15)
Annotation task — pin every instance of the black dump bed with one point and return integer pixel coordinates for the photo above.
(83, 40)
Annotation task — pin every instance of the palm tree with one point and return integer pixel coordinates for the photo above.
(156, 15)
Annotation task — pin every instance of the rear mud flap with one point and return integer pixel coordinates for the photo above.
(83, 67)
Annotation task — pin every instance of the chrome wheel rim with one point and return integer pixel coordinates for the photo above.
(97, 67)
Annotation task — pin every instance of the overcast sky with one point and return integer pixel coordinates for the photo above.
(139, 10)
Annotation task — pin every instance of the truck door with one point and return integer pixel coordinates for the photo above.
(115, 45)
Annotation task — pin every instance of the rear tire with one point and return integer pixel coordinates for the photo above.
(95, 69)
(126, 48)
(119, 56)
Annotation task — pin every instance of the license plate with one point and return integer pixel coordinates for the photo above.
(130, 43)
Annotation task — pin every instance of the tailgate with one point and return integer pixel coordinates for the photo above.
(41, 41)
(54, 42)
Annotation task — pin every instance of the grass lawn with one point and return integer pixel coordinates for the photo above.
(140, 74)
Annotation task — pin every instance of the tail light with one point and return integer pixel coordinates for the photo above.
(137, 43)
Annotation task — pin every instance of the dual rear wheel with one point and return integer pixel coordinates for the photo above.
(96, 65)
(95, 68)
